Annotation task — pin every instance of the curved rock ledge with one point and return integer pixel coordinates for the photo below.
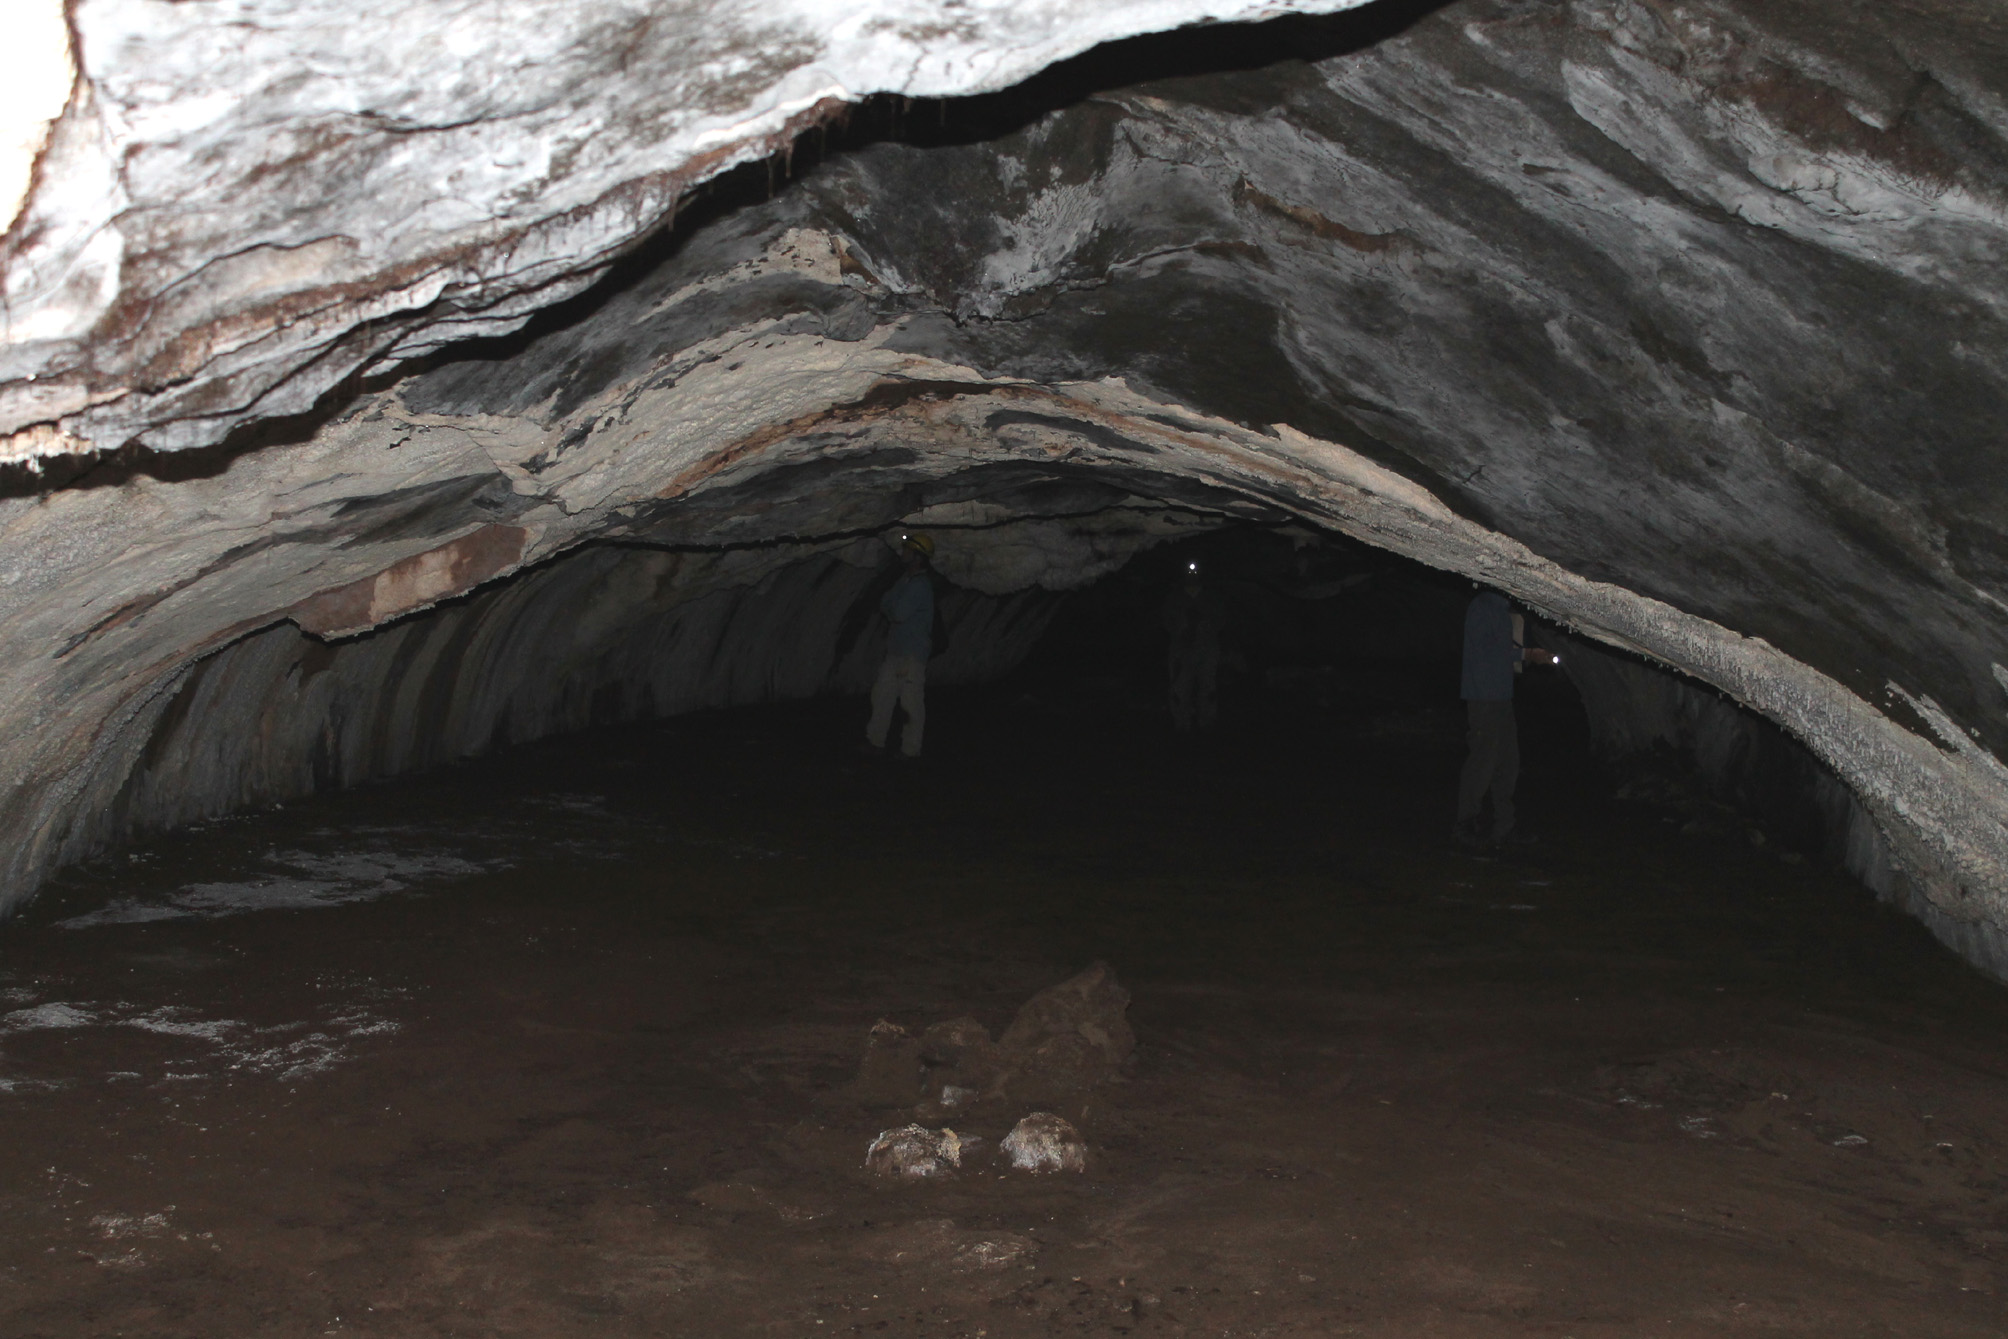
(1943, 810)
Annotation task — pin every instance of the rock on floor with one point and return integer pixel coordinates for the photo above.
(914, 1152)
(938, 1242)
(1064, 1041)
(1043, 1142)
(1068, 1038)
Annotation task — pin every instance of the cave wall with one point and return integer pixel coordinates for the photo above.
(1685, 325)
(1644, 718)
(597, 637)
(1705, 300)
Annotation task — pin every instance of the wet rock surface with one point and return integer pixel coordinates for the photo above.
(1680, 1092)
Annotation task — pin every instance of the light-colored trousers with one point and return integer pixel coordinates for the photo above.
(901, 679)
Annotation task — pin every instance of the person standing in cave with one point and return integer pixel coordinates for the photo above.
(1193, 615)
(1493, 655)
(902, 677)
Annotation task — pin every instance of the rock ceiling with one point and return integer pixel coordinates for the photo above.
(1685, 323)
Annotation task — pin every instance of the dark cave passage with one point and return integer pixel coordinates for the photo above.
(1289, 272)
(450, 488)
(576, 1027)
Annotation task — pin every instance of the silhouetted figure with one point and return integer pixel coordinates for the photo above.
(902, 676)
(1493, 654)
(1194, 615)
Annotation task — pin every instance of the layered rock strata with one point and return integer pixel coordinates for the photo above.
(1684, 324)
(243, 204)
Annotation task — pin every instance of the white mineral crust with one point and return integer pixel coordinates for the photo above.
(237, 187)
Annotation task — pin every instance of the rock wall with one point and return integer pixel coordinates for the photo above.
(1644, 716)
(1686, 325)
(594, 638)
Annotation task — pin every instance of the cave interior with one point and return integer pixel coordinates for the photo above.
(449, 890)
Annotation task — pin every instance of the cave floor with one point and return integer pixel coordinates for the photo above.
(553, 1043)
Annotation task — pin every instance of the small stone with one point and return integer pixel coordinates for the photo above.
(1043, 1143)
(914, 1152)
(937, 1242)
(990, 1253)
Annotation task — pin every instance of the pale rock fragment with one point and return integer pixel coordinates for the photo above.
(914, 1152)
(1043, 1143)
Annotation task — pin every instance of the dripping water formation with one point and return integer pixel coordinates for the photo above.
(454, 486)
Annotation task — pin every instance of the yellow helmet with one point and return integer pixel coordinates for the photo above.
(919, 543)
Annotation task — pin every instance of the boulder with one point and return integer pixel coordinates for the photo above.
(1067, 1038)
(914, 1153)
(1043, 1143)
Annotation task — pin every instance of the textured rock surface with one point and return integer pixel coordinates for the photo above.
(1063, 1042)
(1068, 1037)
(1685, 324)
(247, 202)
(1043, 1143)
(914, 1153)
(938, 1242)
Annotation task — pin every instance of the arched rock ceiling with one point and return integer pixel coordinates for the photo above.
(1687, 324)
(247, 200)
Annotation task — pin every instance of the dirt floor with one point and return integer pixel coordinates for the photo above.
(557, 1044)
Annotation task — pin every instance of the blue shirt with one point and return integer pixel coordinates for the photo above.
(1489, 652)
(910, 606)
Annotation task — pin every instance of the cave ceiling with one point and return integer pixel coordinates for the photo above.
(1686, 323)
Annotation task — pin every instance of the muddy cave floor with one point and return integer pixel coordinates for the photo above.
(553, 1043)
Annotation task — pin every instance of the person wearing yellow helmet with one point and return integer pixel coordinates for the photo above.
(902, 677)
